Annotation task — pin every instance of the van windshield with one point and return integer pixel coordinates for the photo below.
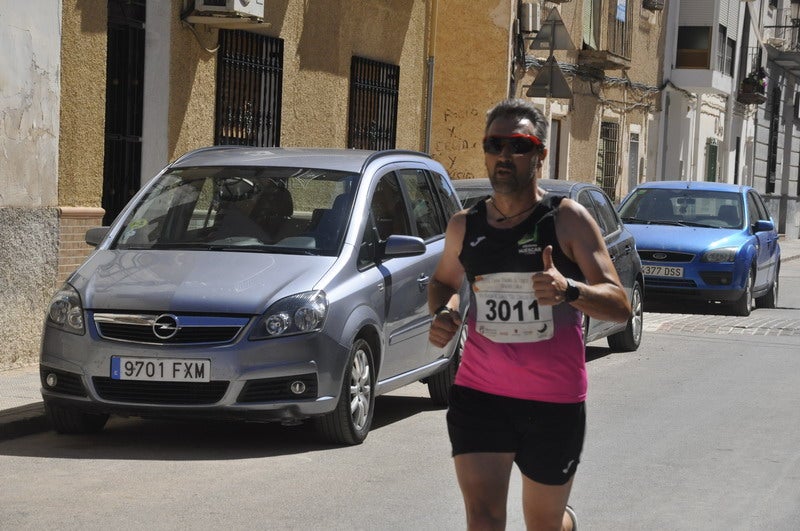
(291, 210)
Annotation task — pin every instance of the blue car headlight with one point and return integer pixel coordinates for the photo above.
(66, 311)
(297, 314)
(725, 254)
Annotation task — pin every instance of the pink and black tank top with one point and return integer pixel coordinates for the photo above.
(514, 347)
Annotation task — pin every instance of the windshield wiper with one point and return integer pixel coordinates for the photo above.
(250, 248)
(197, 246)
(696, 224)
(666, 222)
(659, 222)
(165, 246)
(634, 220)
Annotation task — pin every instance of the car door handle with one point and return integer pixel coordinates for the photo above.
(423, 280)
(613, 257)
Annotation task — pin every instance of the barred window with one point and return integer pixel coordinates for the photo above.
(607, 157)
(249, 89)
(374, 90)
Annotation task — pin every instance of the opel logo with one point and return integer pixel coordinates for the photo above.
(166, 326)
(659, 256)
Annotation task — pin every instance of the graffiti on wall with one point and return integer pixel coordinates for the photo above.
(457, 150)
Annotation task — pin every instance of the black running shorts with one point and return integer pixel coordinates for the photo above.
(546, 437)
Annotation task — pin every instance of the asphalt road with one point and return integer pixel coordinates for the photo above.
(696, 430)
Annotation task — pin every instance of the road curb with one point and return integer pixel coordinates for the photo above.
(23, 420)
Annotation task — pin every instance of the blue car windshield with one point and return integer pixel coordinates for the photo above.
(698, 208)
(247, 209)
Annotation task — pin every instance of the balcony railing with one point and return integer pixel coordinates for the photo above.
(784, 34)
(614, 46)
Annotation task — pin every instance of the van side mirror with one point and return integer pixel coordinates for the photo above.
(95, 235)
(400, 245)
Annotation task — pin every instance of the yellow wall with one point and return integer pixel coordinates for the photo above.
(472, 69)
(618, 98)
(320, 38)
(192, 86)
(83, 103)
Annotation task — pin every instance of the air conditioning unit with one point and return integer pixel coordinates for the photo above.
(230, 8)
(776, 42)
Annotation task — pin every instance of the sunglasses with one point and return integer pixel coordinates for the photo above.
(520, 144)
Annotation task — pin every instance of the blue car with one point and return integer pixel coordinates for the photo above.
(705, 241)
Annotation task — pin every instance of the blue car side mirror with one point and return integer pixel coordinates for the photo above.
(763, 225)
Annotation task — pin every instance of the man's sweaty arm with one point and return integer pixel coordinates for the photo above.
(446, 281)
(601, 295)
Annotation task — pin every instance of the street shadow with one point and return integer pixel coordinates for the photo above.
(196, 440)
(595, 353)
(684, 307)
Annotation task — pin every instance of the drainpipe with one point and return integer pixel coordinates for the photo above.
(696, 156)
(431, 64)
(429, 109)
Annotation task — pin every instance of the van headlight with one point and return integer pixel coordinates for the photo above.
(725, 254)
(297, 314)
(66, 311)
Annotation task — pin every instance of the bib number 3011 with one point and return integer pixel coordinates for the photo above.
(507, 309)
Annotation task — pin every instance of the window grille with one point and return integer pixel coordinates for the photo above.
(122, 164)
(374, 90)
(607, 156)
(249, 89)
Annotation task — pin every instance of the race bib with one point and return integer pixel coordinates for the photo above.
(507, 310)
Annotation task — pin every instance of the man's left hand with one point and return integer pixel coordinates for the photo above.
(549, 284)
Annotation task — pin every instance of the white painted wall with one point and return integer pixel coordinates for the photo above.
(30, 66)
(156, 88)
(30, 40)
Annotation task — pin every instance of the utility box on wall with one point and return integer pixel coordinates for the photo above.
(224, 12)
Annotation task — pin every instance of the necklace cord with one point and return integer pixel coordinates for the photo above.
(506, 218)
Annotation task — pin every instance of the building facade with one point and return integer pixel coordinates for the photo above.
(729, 101)
(104, 93)
(601, 126)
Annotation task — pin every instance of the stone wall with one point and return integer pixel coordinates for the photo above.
(29, 247)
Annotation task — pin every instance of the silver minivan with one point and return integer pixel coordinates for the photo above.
(261, 284)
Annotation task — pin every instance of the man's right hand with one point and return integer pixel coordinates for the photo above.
(443, 327)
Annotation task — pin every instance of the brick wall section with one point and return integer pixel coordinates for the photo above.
(72, 249)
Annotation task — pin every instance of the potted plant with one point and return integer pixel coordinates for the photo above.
(754, 87)
(653, 5)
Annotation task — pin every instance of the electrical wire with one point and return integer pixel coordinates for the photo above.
(196, 36)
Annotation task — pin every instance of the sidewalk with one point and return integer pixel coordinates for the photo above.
(21, 408)
(22, 411)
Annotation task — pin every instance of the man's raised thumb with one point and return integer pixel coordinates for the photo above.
(547, 257)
